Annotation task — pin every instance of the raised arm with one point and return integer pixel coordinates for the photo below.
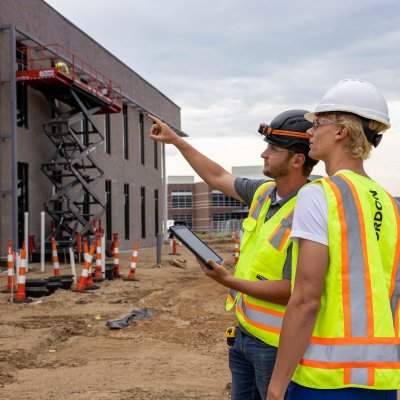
(211, 172)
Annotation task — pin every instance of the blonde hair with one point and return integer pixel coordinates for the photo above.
(357, 145)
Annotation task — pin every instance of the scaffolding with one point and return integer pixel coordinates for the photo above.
(76, 92)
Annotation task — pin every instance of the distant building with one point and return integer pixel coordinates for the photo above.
(203, 208)
(73, 134)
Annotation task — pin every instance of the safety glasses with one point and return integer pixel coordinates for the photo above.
(318, 122)
(276, 151)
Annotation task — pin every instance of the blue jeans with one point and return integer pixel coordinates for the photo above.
(251, 362)
(297, 392)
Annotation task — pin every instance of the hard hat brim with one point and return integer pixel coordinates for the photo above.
(311, 116)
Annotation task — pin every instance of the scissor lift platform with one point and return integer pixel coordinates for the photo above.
(76, 92)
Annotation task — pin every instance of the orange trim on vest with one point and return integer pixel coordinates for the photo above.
(395, 266)
(230, 298)
(371, 376)
(256, 202)
(355, 364)
(345, 259)
(367, 276)
(285, 236)
(396, 320)
(347, 376)
(355, 340)
(262, 309)
(257, 324)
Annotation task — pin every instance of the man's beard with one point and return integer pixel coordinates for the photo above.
(279, 171)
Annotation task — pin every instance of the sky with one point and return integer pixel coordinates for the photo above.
(231, 64)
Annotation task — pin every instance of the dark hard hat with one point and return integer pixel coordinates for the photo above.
(288, 129)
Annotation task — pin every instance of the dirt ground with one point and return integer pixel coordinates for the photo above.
(58, 346)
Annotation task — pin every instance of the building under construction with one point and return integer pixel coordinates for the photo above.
(73, 130)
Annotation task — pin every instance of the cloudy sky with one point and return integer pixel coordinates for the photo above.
(230, 64)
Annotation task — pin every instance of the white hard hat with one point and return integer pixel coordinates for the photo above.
(354, 96)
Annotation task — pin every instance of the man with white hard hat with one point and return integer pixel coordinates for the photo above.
(340, 333)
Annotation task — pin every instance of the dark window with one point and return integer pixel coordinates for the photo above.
(23, 199)
(22, 105)
(108, 210)
(125, 134)
(156, 228)
(181, 198)
(155, 155)
(143, 210)
(219, 220)
(22, 89)
(126, 210)
(107, 132)
(141, 129)
(222, 200)
(186, 219)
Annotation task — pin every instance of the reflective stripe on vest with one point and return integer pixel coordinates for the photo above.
(255, 213)
(261, 317)
(357, 308)
(348, 354)
(262, 198)
(282, 232)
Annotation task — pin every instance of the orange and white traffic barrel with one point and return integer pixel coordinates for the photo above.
(174, 244)
(20, 296)
(98, 276)
(132, 270)
(56, 263)
(10, 269)
(82, 283)
(116, 256)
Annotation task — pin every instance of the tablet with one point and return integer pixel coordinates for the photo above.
(194, 244)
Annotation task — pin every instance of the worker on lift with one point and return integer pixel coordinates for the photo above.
(61, 65)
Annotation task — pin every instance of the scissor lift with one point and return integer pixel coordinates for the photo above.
(76, 92)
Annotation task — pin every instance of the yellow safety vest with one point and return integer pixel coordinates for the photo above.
(355, 342)
(263, 253)
(62, 66)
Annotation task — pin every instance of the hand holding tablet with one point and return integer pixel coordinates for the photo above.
(195, 245)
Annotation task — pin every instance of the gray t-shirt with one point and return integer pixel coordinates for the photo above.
(246, 188)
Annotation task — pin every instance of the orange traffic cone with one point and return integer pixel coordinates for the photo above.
(116, 256)
(98, 276)
(173, 248)
(89, 282)
(56, 264)
(81, 286)
(132, 271)
(10, 270)
(20, 296)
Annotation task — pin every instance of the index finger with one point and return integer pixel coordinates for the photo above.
(155, 119)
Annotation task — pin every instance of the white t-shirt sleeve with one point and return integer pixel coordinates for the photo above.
(310, 220)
